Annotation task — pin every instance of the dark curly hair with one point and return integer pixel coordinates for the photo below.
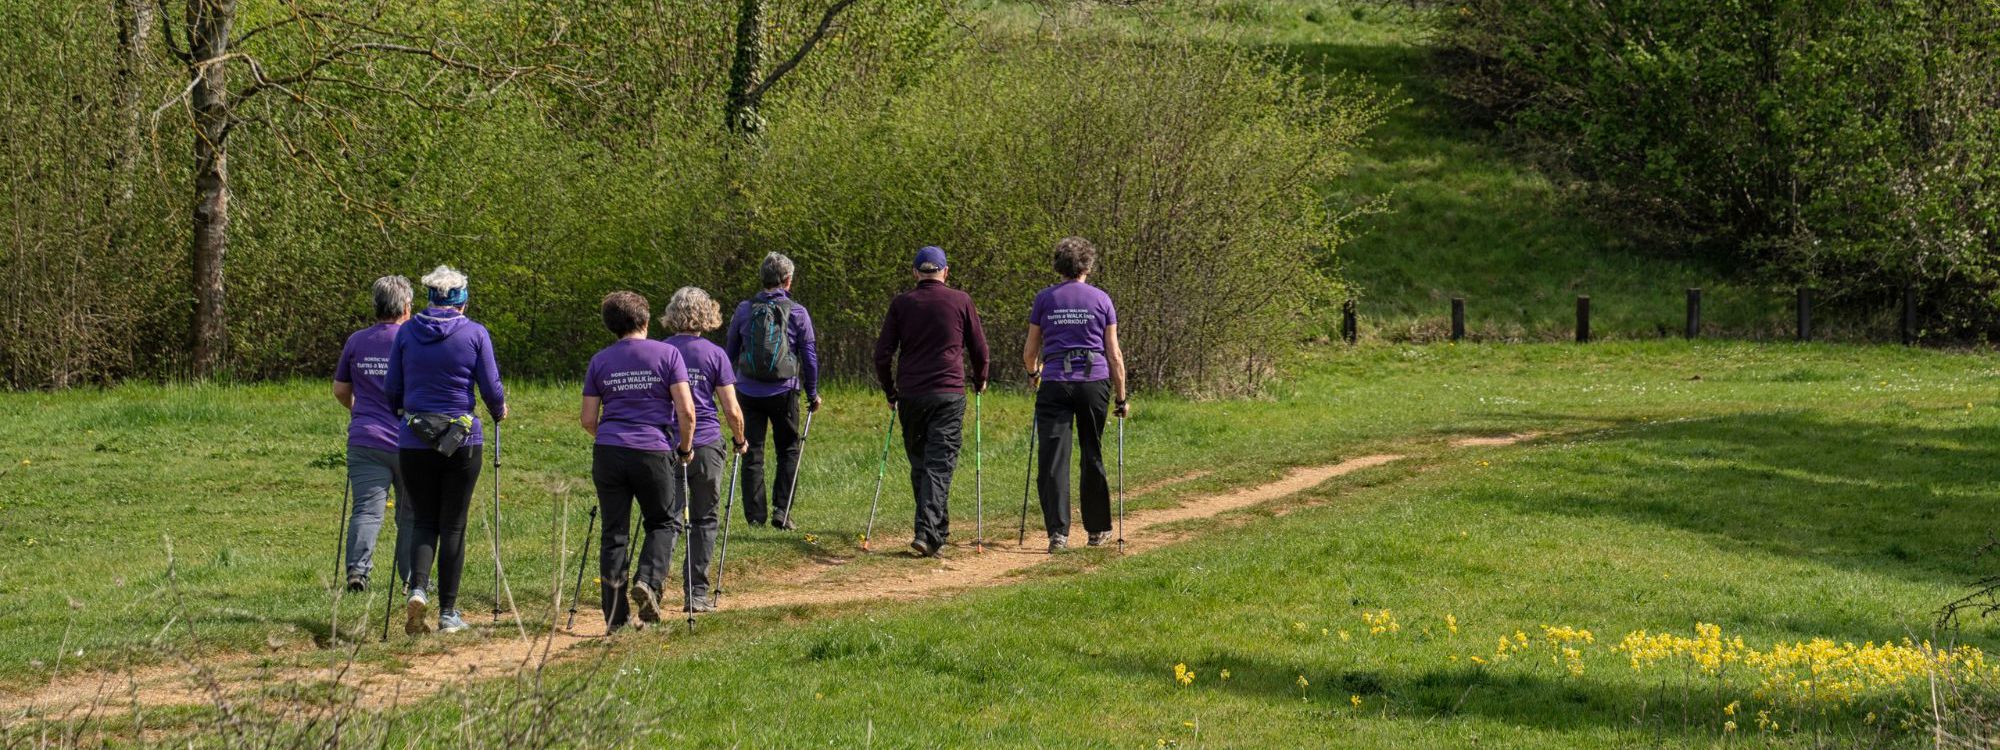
(1075, 256)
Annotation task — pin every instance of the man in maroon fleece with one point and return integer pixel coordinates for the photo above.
(935, 329)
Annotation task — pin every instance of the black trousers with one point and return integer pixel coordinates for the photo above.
(1057, 407)
(440, 488)
(780, 416)
(933, 428)
(703, 510)
(623, 475)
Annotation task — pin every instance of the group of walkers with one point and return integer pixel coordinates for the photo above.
(656, 409)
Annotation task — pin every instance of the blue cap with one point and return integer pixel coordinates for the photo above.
(930, 259)
(448, 297)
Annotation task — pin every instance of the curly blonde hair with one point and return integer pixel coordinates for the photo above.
(691, 309)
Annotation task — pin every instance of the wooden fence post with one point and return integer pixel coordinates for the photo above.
(1583, 319)
(1910, 315)
(1694, 314)
(1457, 319)
(1349, 325)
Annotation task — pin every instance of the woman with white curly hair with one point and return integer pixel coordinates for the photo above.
(439, 358)
(712, 381)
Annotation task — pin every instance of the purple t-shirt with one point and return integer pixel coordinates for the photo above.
(1073, 315)
(364, 363)
(635, 379)
(707, 369)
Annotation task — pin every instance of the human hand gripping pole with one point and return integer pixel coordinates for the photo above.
(881, 472)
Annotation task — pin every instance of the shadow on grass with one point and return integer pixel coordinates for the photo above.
(1876, 496)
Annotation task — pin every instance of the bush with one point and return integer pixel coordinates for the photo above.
(1191, 167)
(1849, 145)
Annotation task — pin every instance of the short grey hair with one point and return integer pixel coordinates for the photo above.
(777, 269)
(392, 297)
(445, 278)
(691, 309)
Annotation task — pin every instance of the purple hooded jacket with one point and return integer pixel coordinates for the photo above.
(438, 357)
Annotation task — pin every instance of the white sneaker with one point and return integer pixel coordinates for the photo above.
(417, 614)
(450, 621)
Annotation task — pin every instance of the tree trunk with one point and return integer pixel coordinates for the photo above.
(746, 71)
(135, 23)
(208, 41)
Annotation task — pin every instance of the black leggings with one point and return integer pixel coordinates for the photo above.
(440, 487)
(1058, 405)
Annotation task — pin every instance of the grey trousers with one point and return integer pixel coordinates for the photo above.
(372, 473)
(705, 476)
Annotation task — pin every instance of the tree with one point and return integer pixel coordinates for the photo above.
(328, 47)
(747, 81)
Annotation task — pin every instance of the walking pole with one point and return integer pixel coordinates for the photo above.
(687, 530)
(495, 535)
(728, 502)
(978, 477)
(581, 561)
(791, 501)
(881, 471)
(340, 533)
(389, 601)
(1027, 485)
(1121, 485)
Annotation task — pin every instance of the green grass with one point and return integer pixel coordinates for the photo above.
(1788, 493)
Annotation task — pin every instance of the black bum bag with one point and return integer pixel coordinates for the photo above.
(443, 432)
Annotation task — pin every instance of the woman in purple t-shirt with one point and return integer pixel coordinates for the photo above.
(1072, 350)
(637, 405)
(712, 382)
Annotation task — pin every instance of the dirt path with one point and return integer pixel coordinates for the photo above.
(827, 582)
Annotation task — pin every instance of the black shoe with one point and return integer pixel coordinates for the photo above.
(357, 583)
(922, 549)
(1097, 538)
(783, 522)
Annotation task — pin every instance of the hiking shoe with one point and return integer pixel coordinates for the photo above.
(1058, 543)
(703, 604)
(783, 522)
(417, 614)
(357, 583)
(923, 550)
(449, 621)
(1097, 538)
(645, 602)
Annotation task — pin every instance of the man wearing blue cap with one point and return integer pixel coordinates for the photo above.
(928, 337)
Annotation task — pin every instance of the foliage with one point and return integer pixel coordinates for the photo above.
(1843, 144)
(894, 134)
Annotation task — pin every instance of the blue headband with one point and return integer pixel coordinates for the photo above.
(448, 297)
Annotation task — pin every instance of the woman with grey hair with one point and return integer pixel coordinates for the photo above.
(1072, 350)
(373, 467)
(712, 382)
(776, 356)
(439, 359)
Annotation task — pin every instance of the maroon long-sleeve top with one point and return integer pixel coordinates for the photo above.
(936, 330)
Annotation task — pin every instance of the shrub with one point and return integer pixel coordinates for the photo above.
(1849, 145)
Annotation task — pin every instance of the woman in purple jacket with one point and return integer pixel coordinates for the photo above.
(439, 358)
(1072, 349)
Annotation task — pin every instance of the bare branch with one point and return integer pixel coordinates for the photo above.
(825, 24)
(167, 35)
(342, 52)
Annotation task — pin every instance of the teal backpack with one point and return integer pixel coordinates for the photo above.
(767, 343)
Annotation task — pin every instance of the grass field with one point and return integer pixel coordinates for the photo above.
(1783, 493)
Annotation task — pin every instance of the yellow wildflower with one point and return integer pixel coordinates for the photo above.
(1354, 699)
(1451, 624)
